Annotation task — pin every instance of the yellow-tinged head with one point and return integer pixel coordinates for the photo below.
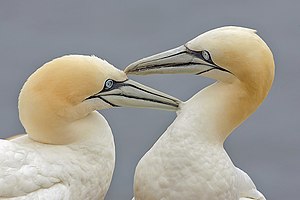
(237, 57)
(68, 88)
(238, 50)
(227, 54)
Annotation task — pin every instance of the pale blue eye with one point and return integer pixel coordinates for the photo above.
(109, 83)
(205, 55)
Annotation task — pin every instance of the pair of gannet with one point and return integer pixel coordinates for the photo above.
(69, 152)
(188, 162)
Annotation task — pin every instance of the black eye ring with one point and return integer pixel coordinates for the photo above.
(108, 84)
(206, 56)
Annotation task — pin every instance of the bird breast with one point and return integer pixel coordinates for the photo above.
(179, 166)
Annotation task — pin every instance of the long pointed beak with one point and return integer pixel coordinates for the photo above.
(133, 94)
(180, 60)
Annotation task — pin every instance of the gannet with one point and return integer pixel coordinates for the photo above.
(189, 161)
(69, 152)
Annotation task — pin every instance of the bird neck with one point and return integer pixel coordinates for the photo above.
(92, 127)
(214, 112)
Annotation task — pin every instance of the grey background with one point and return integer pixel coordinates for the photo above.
(266, 145)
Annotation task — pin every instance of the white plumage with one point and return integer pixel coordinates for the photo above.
(80, 170)
(188, 161)
(69, 152)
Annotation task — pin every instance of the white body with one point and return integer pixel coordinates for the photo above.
(189, 161)
(69, 152)
(31, 170)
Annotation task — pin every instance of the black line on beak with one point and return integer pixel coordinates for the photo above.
(197, 54)
(170, 65)
(98, 96)
(136, 87)
(145, 99)
(121, 84)
(204, 71)
(114, 105)
(168, 56)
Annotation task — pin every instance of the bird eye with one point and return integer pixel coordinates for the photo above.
(205, 55)
(108, 84)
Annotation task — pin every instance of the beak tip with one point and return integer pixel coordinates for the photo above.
(130, 69)
(127, 70)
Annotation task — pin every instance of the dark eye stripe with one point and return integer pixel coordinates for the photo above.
(199, 54)
(114, 86)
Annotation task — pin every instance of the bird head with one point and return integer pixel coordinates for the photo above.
(227, 54)
(68, 88)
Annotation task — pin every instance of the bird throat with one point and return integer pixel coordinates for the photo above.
(214, 112)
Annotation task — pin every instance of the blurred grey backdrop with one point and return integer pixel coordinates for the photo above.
(267, 145)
